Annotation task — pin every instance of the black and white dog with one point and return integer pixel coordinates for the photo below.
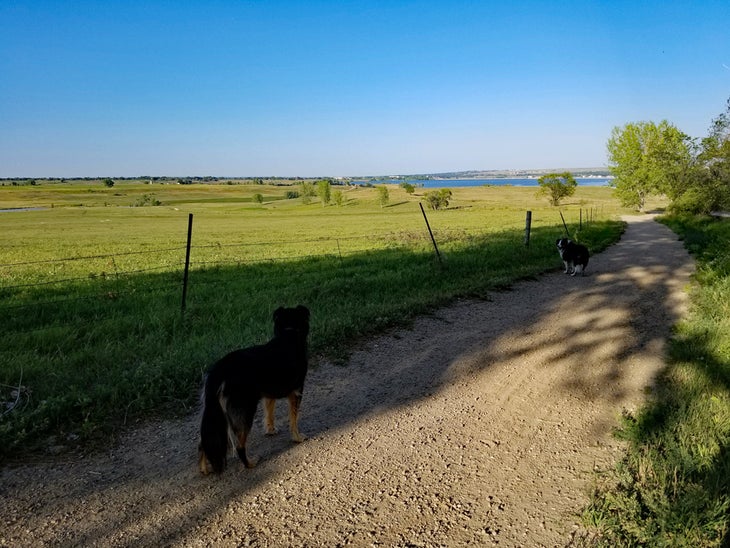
(574, 256)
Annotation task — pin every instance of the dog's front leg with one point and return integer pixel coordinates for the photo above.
(269, 405)
(567, 267)
(295, 400)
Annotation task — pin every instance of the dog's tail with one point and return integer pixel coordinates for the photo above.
(213, 426)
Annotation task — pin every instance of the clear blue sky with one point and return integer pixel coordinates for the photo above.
(326, 88)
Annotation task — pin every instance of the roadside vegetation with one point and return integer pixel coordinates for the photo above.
(649, 159)
(673, 487)
(94, 337)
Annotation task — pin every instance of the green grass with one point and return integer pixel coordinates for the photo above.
(97, 341)
(673, 488)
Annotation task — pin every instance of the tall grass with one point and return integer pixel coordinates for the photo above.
(90, 345)
(673, 488)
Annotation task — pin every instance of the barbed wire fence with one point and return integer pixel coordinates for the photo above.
(31, 303)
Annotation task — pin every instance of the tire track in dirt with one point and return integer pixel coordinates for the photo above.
(482, 423)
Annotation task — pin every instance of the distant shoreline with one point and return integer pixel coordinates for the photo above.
(578, 173)
(474, 182)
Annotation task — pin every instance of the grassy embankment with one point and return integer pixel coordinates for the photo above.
(98, 341)
(673, 488)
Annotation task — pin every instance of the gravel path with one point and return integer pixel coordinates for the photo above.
(480, 424)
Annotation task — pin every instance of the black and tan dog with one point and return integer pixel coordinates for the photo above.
(574, 256)
(235, 384)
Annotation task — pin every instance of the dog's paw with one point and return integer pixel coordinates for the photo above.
(271, 432)
(298, 437)
(252, 462)
(203, 464)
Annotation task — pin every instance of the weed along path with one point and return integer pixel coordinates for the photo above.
(481, 423)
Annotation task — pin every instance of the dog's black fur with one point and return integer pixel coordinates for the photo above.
(235, 384)
(574, 256)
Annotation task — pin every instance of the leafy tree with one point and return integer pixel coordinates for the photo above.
(383, 195)
(109, 182)
(438, 199)
(324, 190)
(338, 197)
(713, 178)
(258, 198)
(307, 192)
(648, 159)
(557, 186)
(408, 187)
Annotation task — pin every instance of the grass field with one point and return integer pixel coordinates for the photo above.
(93, 336)
(673, 487)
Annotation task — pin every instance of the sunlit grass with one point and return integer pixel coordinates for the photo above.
(90, 344)
(673, 488)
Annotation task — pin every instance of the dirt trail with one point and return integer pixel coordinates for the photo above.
(480, 424)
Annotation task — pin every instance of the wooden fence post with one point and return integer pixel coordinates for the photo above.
(433, 240)
(528, 225)
(187, 263)
(567, 233)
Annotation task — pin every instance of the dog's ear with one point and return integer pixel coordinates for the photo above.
(303, 310)
(278, 312)
(557, 242)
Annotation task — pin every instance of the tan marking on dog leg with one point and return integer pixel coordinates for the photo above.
(269, 406)
(295, 400)
(203, 463)
(248, 462)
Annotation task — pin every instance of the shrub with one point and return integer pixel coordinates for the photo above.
(383, 195)
(557, 186)
(438, 199)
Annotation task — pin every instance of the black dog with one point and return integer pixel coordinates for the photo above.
(235, 384)
(575, 256)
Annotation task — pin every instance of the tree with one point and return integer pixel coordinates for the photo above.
(338, 197)
(383, 195)
(557, 186)
(109, 182)
(646, 159)
(408, 187)
(438, 199)
(713, 181)
(324, 190)
(258, 198)
(307, 192)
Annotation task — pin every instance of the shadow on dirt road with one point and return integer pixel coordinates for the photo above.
(470, 426)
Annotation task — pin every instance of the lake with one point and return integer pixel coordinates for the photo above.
(446, 183)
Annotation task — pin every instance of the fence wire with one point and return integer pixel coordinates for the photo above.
(24, 303)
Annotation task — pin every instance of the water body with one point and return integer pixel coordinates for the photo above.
(451, 183)
(14, 209)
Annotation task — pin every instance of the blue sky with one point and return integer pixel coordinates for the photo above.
(324, 88)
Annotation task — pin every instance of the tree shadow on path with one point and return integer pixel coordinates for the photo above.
(147, 491)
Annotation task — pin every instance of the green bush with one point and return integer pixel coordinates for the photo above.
(438, 199)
